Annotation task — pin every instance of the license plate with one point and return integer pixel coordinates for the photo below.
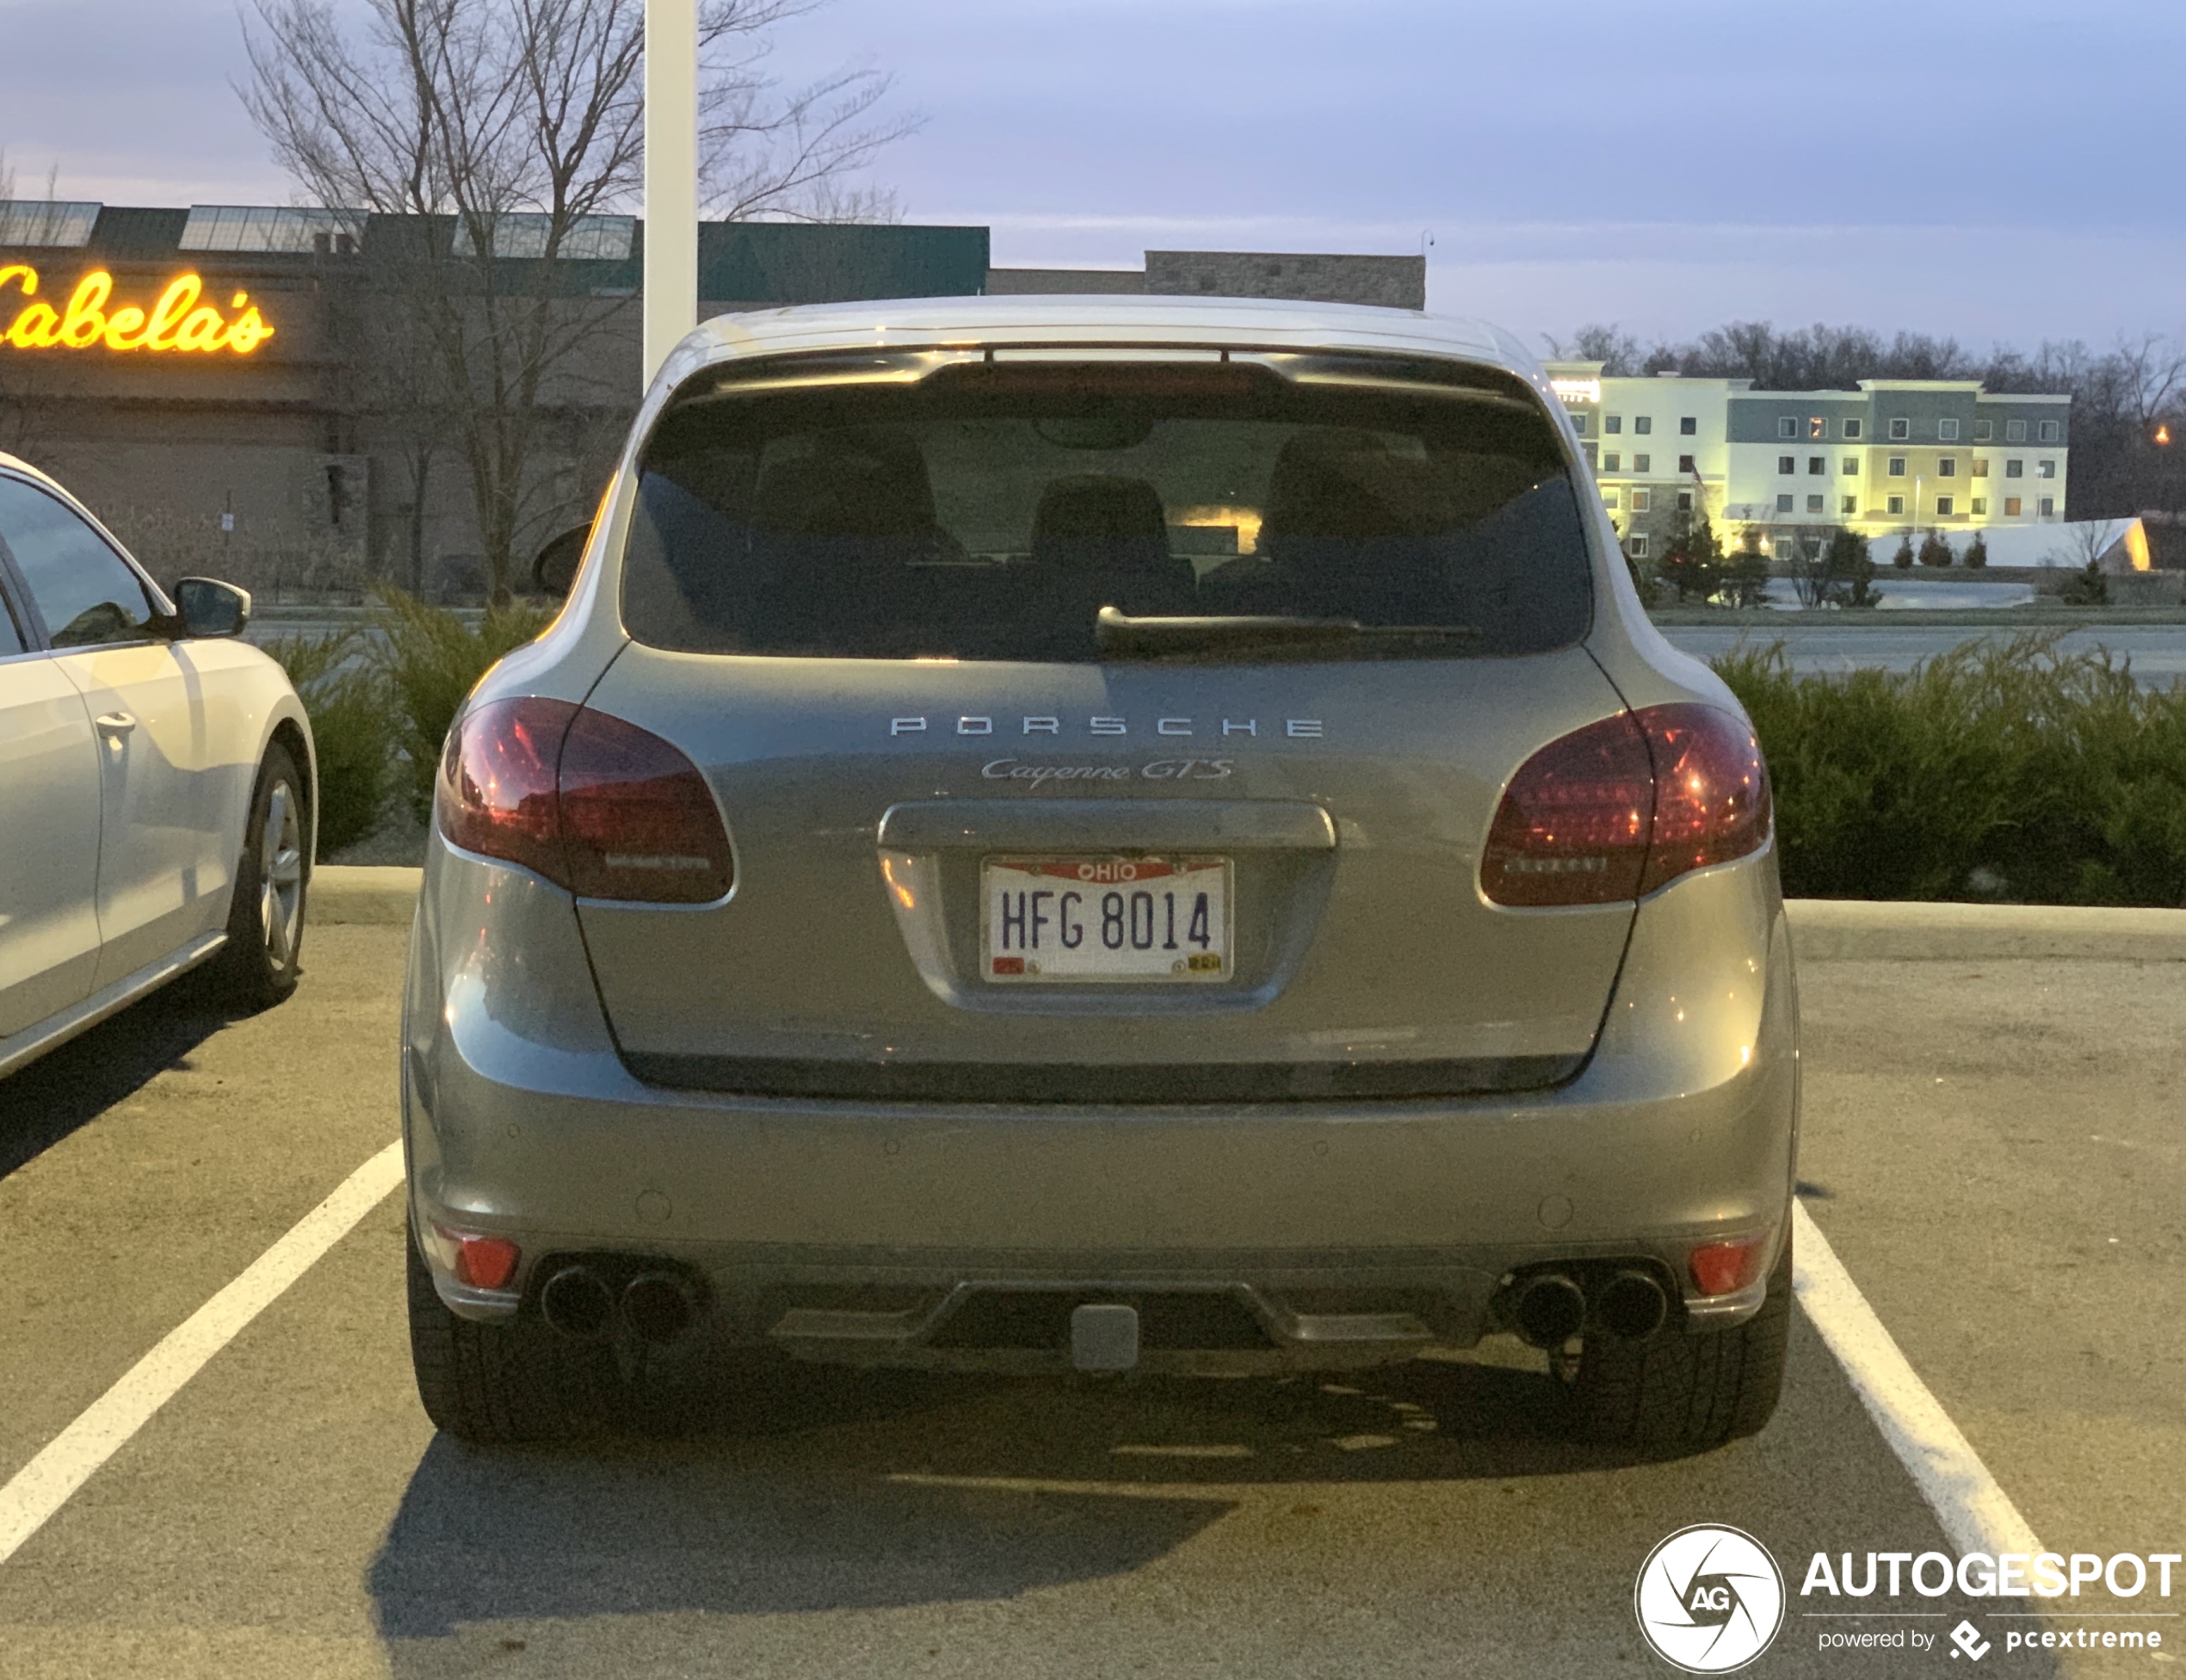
(1141, 919)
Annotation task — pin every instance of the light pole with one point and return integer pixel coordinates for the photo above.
(671, 177)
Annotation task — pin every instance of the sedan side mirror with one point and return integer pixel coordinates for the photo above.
(207, 607)
(555, 569)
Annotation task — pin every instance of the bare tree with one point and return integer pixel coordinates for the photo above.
(493, 138)
(1617, 350)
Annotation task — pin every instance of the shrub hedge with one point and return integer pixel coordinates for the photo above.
(1999, 770)
(346, 702)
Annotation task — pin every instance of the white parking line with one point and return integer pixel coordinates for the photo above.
(68, 1460)
(1976, 1513)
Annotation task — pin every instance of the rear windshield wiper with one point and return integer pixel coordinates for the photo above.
(1123, 637)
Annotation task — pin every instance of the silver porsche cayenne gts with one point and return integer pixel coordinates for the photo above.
(1100, 834)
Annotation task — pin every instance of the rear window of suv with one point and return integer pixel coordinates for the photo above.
(1060, 512)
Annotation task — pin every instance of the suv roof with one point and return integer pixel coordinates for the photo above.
(923, 323)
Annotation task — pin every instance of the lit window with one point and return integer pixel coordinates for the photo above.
(1896, 505)
(2044, 469)
(1636, 545)
(2011, 507)
(1947, 467)
(1848, 505)
(1851, 467)
(1642, 500)
(2014, 467)
(1685, 464)
(1852, 428)
(1817, 465)
(1783, 504)
(1613, 423)
(1786, 425)
(1897, 467)
(1943, 505)
(1813, 504)
(1578, 424)
(1612, 462)
(1786, 464)
(1818, 427)
(2015, 431)
(1901, 431)
(1980, 466)
(1643, 423)
(1946, 430)
(1642, 463)
(1983, 430)
(1689, 427)
(1980, 505)
(2048, 506)
(2049, 431)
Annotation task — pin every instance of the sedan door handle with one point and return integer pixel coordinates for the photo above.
(115, 723)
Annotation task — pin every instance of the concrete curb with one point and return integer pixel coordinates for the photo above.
(1822, 929)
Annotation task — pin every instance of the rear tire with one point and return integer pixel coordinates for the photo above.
(496, 1383)
(1677, 1393)
(259, 966)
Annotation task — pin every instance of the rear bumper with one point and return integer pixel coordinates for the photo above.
(1268, 1235)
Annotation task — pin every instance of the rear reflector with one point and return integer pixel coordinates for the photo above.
(1622, 806)
(594, 803)
(1723, 1269)
(482, 1263)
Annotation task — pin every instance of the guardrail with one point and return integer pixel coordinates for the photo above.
(1822, 929)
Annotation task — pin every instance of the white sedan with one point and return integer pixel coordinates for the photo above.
(155, 781)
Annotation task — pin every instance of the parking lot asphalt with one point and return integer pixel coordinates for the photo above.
(1994, 1150)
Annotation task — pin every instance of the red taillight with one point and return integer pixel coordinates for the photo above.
(1723, 1269)
(1572, 827)
(594, 803)
(1617, 809)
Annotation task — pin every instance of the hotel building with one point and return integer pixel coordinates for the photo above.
(1893, 455)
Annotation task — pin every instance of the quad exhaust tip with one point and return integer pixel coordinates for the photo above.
(656, 1306)
(1631, 1305)
(1549, 1310)
(575, 1301)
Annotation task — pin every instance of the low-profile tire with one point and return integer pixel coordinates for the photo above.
(493, 1383)
(259, 965)
(1676, 1392)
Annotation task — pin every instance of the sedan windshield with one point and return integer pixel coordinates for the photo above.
(1106, 511)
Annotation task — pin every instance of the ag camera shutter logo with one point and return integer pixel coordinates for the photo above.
(1709, 1599)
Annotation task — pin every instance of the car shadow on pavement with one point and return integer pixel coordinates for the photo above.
(69, 1087)
(795, 1488)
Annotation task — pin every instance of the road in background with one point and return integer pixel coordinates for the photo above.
(1977, 1137)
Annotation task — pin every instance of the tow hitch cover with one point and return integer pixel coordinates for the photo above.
(1104, 1336)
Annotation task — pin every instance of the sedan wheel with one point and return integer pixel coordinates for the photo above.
(266, 921)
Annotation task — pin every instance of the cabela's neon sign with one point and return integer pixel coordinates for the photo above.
(178, 320)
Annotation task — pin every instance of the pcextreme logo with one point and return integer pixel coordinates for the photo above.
(1709, 1599)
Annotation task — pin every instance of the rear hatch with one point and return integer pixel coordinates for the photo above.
(1123, 730)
